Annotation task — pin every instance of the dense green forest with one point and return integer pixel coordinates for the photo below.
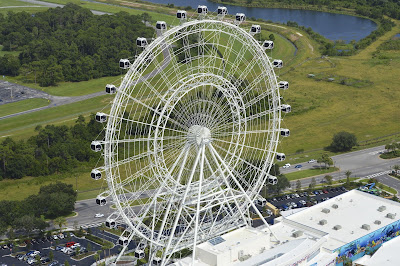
(68, 44)
(54, 149)
(368, 8)
(28, 215)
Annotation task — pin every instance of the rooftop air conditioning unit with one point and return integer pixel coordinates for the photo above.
(322, 222)
(325, 210)
(337, 227)
(366, 226)
(391, 215)
(335, 206)
(381, 208)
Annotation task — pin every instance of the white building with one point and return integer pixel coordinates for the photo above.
(348, 225)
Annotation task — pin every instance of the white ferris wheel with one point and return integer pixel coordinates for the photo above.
(191, 135)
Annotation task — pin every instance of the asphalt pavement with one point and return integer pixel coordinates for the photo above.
(363, 163)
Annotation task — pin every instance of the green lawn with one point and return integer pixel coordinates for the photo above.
(16, 107)
(299, 174)
(75, 88)
(23, 126)
(4, 3)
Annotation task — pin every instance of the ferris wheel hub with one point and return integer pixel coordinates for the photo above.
(199, 135)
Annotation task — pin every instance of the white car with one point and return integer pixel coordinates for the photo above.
(60, 236)
(98, 215)
(312, 161)
(31, 261)
(55, 237)
(286, 165)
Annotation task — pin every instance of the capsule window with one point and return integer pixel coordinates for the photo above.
(111, 224)
(280, 157)
(123, 241)
(95, 146)
(101, 117)
(139, 254)
(157, 261)
(255, 29)
(222, 10)
(111, 89)
(202, 10)
(101, 201)
(277, 63)
(181, 14)
(124, 63)
(141, 42)
(268, 45)
(95, 174)
(240, 17)
(286, 108)
(285, 132)
(272, 180)
(284, 85)
(161, 25)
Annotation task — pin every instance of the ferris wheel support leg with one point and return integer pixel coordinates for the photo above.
(196, 228)
(241, 189)
(181, 206)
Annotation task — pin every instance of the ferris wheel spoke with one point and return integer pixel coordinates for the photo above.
(154, 110)
(256, 82)
(227, 183)
(183, 199)
(202, 148)
(239, 144)
(240, 158)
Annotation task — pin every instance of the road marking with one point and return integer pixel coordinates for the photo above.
(378, 174)
(375, 152)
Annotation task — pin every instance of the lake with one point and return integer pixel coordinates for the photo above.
(332, 26)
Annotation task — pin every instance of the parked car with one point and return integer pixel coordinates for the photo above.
(298, 166)
(59, 248)
(53, 263)
(5, 246)
(19, 256)
(44, 260)
(325, 191)
(70, 244)
(61, 236)
(286, 165)
(302, 202)
(296, 195)
(316, 192)
(305, 193)
(31, 261)
(312, 161)
(55, 237)
(293, 204)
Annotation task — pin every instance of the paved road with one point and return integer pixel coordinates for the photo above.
(42, 3)
(364, 163)
(347, 161)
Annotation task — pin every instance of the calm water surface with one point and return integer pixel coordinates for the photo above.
(332, 26)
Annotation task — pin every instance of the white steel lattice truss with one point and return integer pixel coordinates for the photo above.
(194, 126)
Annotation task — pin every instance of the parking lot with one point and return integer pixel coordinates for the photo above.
(305, 199)
(9, 256)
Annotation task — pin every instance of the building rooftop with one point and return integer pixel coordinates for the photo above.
(348, 216)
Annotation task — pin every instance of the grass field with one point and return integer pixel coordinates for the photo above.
(309, 173)
(16, 6)
(19, 126)
(73, 88)
(16, 107)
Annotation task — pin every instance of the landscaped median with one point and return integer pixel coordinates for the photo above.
(300, 174)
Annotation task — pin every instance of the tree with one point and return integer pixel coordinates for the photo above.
(298, 185)
(343, 141)
(282, 184)
(89, 247)
(96, 257)
(328, 179)
(271, 37)
(60, 221)
(66, 263)
(326, 160)
(348, 173)
(51, 255)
